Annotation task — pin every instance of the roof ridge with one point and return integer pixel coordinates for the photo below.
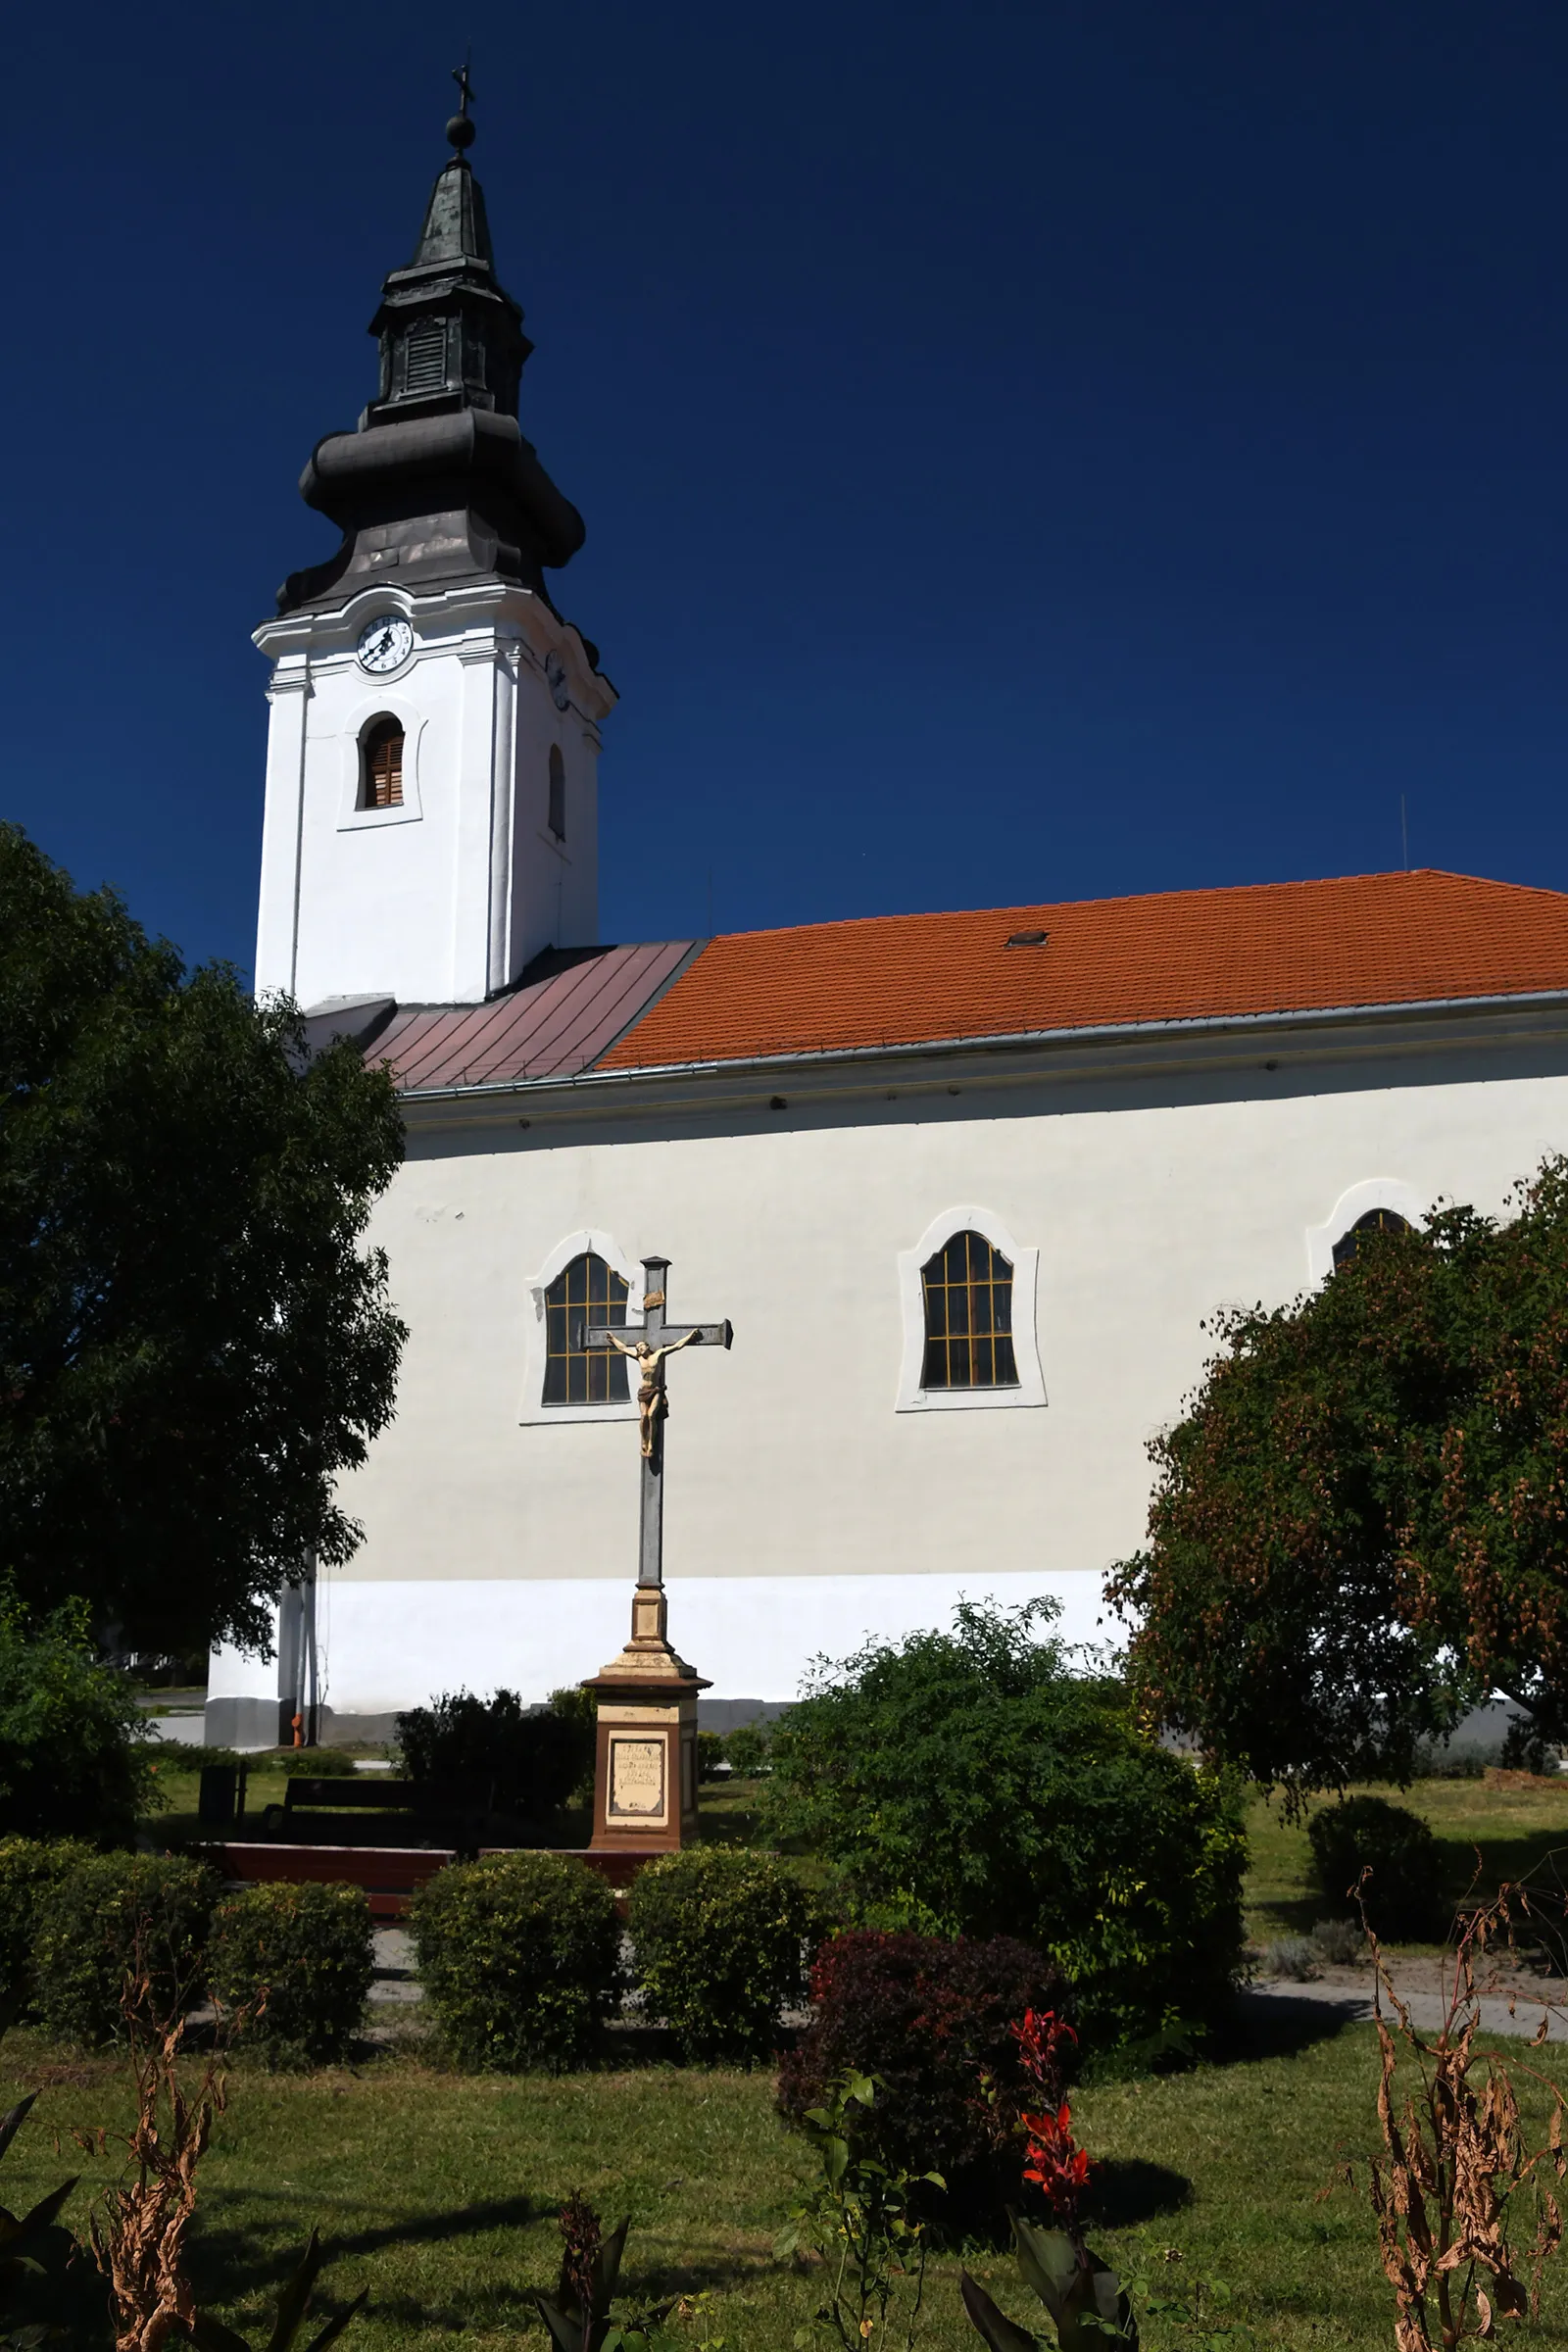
(1142, 897)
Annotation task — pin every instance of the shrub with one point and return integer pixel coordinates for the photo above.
(718, 1935)
(746, 1750)
(112, 1918)
(711, 1758)
(1339, 1941)
(296, 1964)
(29, 1868)
(319, 1764)
(520, 1955)
(189, 1755)
(1403, 1892)
(969, 1785)
(931, 2022)
(72, 1759)
(530, 1758)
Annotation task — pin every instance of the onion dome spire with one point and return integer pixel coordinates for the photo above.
(438, 481)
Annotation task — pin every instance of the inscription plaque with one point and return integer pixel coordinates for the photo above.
(636, 1779)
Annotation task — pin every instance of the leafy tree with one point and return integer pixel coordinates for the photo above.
(74, 1760)
(1358, 1529)
(193, 1344)
(1060, 1821)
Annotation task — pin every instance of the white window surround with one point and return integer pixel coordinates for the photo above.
(1025, 1264)
(604, 1245)
(352, 818)
(1377, 1192)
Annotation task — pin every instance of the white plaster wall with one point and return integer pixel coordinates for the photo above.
(385, 1646)
(1150, 1204)
(444, 900)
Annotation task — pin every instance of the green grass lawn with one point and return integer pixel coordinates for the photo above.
(1487, 1836)
(438, 2192)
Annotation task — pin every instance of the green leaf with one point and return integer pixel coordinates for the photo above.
(1001, 2333)
(211, 2335)
(294, 2300)
(334, 2327)
(11, 2121)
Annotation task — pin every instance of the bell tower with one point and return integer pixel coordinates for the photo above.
(431, 818)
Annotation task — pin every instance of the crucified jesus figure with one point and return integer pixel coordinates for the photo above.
(653, 1397)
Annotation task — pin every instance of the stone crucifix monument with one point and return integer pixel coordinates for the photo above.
(645, 1766)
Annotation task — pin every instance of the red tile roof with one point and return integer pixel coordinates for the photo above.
(1189, 955)
(551, 1027)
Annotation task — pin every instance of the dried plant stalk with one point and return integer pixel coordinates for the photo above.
(140, 2238)
(1455, 2164)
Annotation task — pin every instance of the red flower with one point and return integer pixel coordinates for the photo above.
(1052, 2159)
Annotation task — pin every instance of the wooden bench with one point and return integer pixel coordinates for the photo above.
(330, 1811)
(389, 1875)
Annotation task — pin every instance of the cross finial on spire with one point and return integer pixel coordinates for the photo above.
(460, 131)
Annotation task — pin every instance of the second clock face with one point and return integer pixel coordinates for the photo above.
(385, 644)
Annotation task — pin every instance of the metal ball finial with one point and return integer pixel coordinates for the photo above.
(460, 131)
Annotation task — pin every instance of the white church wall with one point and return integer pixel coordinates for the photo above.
(445, 899)
(1151, 1203)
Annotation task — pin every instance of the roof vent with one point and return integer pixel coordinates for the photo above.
(1028, 939)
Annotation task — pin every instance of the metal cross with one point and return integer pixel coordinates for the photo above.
(647, 1343)
(460, 74)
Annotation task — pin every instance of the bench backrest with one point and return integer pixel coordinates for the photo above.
(405, 1797)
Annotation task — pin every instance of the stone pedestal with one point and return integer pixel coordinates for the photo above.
(645, 1765)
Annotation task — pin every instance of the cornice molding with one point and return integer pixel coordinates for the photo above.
(1342, 1038)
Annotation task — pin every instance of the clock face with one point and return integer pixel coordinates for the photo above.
(558, 682)
(385, 644)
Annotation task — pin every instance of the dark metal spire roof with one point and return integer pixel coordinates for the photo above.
(438, 482)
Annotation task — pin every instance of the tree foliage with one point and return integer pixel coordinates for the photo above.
(1061, 1822)
(73, 1758)
(1358, 1529)
(193, 1343)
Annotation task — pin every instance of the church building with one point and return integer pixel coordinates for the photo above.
(964, 1185)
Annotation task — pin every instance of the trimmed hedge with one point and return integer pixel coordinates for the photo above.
(931, 2020)
(110, 1916)
(293, 1966)
(520, 1955)
(29, 1868)
(1403, 1892)
(719, 1937)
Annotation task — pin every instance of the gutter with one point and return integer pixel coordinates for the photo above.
(1002, 1041)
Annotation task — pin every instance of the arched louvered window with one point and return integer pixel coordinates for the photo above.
(967, 1286)
(587, 1291)
(1376, 1220)
(557, 818)
(381, 765)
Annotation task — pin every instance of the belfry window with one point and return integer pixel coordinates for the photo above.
(381, 765)
(1376, 1220)
(424, 356)
(967, 1288)
(587, 1291)
(557, 817)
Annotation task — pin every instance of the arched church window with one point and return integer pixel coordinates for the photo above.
(967, 1287)
(1376, 1220)
(381, 765)
(557, 818)
(587, 1291)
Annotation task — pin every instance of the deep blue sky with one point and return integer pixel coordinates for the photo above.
(1028, 450)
